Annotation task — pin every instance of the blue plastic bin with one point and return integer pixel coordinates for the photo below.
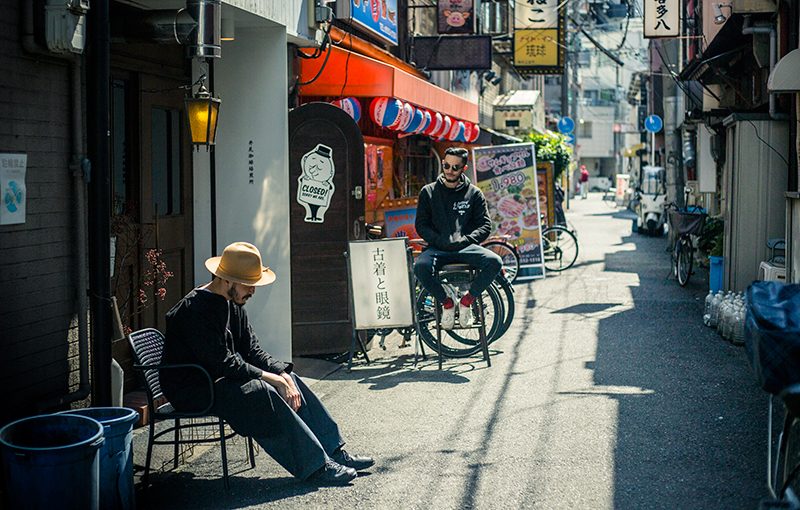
(51, 461)
(715, 273)
(116, 455)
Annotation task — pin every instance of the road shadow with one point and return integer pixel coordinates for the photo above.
(691, 419)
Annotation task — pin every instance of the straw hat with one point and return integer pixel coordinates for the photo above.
(241, 263)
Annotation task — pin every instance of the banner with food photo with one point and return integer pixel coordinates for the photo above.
(507, 176)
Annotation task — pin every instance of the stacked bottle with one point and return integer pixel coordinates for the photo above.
(726, 312)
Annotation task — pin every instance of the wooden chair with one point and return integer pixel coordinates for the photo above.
(148, 350)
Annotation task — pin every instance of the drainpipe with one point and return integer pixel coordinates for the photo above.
(747, 29)
(77, 165)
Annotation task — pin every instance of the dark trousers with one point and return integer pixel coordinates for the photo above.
(298, 441)
(487, 262)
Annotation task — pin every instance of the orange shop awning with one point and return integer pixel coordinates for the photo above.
(351, 74)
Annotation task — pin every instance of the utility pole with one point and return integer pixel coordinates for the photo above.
(565, 102)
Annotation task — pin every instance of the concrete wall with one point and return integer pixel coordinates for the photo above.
(251, 81)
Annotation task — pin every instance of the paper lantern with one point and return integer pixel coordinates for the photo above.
(426, 121)
(416, 121)
(385, 111)
(435, 125)
(405, 118)
(468, 131)
(447, 123)
(476, 131)
(350, 105)
(456, 130)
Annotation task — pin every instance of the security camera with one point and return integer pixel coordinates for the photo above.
(720, 18)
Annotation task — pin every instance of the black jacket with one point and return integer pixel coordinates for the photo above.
(452, 219)
(206, 329)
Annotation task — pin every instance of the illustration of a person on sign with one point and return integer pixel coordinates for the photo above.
(315, 185)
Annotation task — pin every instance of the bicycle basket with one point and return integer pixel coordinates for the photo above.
(684, 222)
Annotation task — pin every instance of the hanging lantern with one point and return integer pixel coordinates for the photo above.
(202, 109)
(385, 110)
(350, 105)
(416, 121)
(426, 121)
(476, 131)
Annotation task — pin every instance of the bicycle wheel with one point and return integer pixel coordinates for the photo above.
(462, 346)
(685, 258)
(560, 248)
(504, 313)
(510, 257)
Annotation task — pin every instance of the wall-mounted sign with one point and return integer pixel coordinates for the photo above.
(12, 188)
(456, 17)
(662, 18)
(381, 284)
(376, 17)
(507, 176)
(457, 52)
(400, 222)
(315, 185)
(539, 37)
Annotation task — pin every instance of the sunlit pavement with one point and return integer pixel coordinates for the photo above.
(607, 392)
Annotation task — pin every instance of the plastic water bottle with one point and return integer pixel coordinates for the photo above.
(713, 313)
(738, 328)
(707, 308)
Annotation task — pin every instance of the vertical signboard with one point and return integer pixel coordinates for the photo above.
(456, 17)
(380, 282)
(539, 37)
(507, 176)
(547, 204)
(662, 18)
(376, 17)
(12, 188)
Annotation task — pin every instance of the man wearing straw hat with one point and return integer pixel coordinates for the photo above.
(256, 394)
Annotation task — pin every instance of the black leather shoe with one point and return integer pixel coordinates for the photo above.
(357, 462)
(333, 473)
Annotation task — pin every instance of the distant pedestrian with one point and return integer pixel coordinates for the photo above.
(584, 182)
(258, 395)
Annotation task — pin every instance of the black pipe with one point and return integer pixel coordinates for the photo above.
(98, 123)
(212, 171)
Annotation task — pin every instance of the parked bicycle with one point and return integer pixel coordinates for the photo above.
(684, 222)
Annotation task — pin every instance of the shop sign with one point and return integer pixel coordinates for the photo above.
(380, 280)
(376, 17)
(457, 52)
(539, 37)
(456, 17)
(315, 185)
(12, 188)
(662, 18)
(401, 223)
(547, 204)
(508, 178)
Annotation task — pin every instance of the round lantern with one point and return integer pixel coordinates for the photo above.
(476, 131)
(385, 110)
(447, 124)
(435, 125)
(456, 130)
(468, 131)
(426, 121)
(416, 121)
(405, 118)
(350, 105)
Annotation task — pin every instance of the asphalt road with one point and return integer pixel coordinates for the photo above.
(607, 392)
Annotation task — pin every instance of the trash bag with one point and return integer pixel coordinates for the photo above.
(772, 334)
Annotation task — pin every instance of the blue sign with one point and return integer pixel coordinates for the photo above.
(653, 123)
(571, 139)
(566, 125)
(377, 17)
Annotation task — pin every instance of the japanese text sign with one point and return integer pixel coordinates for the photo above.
(662, 18)
(507, 176)
(539, 37)
(13, 194)
(381, 285)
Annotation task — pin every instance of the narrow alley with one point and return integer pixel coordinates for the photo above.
(607, 392)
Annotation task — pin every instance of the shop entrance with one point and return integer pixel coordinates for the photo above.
(326, 202)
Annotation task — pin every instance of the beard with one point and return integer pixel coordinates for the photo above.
(236, 297)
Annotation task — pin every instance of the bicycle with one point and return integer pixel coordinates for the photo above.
(559, 248)
(507, 252)
(685, 222)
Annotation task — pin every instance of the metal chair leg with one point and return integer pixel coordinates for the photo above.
(176, 443)
(151, 433)
(224, 454)
(482, 330)
(438, 318)
(252, 452)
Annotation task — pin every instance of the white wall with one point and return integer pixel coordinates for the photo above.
(251, 80)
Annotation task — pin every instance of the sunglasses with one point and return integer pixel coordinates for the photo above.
(448, 166)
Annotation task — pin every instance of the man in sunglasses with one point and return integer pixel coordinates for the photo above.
(453, 219)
